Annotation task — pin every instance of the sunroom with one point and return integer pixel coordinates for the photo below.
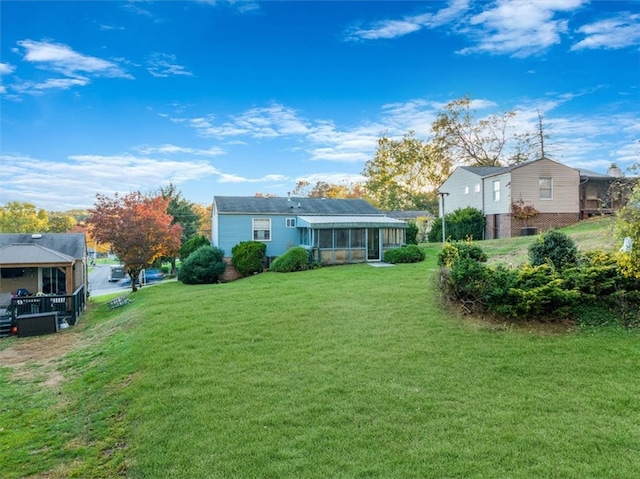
(349, 239)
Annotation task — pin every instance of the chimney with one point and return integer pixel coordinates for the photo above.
(288, 196)
(614, 170)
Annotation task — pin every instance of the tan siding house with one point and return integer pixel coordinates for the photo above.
(552, 188)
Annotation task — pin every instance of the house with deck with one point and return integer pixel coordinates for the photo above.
(546, 186)
(334, 231)
(43, 272)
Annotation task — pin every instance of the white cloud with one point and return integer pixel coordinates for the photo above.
(517, 27)
(173, 149)
(6, 68)
(85, 175)
(164, 65)
(63, 59)
(229, 178)
(51, 83)
(386, 29)
(618, 32)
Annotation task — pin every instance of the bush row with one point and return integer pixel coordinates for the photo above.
(558, 283)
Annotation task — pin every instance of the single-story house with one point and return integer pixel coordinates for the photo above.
(45, 264)
(335, 231)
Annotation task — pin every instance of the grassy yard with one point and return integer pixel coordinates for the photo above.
(342, 372)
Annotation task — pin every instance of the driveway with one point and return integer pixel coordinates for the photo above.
(99, 281)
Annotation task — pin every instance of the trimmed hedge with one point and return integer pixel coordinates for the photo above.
(294, 259)
(407, 254)
(248, 257)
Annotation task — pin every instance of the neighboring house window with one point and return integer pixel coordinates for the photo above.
(262, 229)
(546, 188)
(477, 188)
(466, 190)
(496, 190)
(291, 222)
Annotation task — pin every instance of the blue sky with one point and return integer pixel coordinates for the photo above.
(239, 97)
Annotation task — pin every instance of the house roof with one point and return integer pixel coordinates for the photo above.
(486, 171)
(592, 174)
(31, 254)
(326, 222)
(408, 215)
(69, 244)
(295, 206)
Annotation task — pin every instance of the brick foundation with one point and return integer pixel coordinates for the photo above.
(230, 272)
(544, 222)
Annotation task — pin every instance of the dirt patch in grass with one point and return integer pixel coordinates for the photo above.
(38, 349)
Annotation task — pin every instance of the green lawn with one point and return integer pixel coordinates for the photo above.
(342, 372)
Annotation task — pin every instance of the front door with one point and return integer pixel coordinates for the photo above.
(373, 244)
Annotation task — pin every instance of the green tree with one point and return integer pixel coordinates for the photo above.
(183, 212)
(323, 189)
(628, 225)
(405, 174)
(490, 141)
(193, 244)
(60, 222)
(17, 217)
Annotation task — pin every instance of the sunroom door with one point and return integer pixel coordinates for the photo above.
(373, 244)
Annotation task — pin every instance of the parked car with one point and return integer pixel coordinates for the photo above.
(117, 273)
(147, 275)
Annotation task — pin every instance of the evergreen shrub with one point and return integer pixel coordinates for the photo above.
(248, 257)
(554, 247)
(407, 254)
(204, 266)
(461, 224)
(294, 259)
(412, 232)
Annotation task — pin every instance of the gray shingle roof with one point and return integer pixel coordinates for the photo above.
(70, 244)
(408, 215)
(593, 174)
(24, 254)
(288, 206)
(485, 170)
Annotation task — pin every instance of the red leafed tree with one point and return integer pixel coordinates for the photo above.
(138, 228)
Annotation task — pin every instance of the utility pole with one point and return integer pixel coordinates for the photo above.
(444, 235)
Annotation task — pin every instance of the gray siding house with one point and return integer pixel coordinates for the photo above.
(335, 231)
(548, 186)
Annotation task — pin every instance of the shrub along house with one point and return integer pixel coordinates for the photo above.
(44, 272)
(335, 231)
(550, 190)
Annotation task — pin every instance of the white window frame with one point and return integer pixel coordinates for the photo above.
(466, 190)
(496, 190)
(258, 225)
(290, 222)
(548, 189)
(476, 188)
